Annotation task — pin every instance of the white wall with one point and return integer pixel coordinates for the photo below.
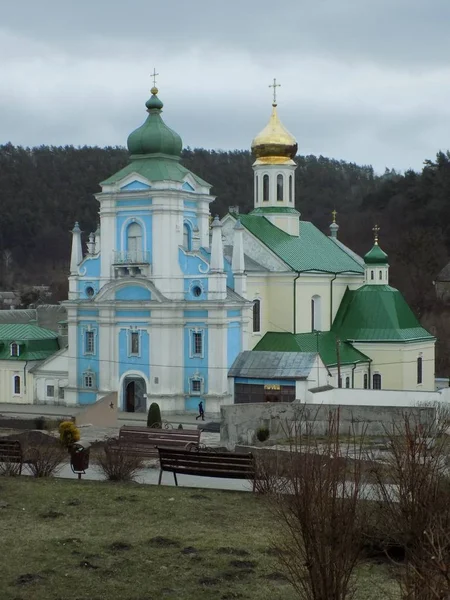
(349, 397)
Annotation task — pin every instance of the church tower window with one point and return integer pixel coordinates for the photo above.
(256, 189)
(256, 316)
(89, 342)
(134, 343)
(280, 188)
(196, 343)
(265, 188)
(134, 242)
(187, 237)
(14, 349)
(376, 381)
(290, 188)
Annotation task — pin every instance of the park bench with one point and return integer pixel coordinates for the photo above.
(143, 441)
(206, 463)
(11, 452)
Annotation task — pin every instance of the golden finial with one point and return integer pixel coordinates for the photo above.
(334, 213)
(154, 89)
(274, 86)
(376, 231)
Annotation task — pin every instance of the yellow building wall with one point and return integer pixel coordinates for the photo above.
(10, 369)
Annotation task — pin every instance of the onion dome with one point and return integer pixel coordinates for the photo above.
(376, 256)
(274, 145)
(154, 137)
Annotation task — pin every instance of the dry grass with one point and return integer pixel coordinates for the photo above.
(83, 540)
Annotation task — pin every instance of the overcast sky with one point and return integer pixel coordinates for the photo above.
(366, 81)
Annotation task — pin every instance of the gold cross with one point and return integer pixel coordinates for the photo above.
(154, 75)
(375, 230)
(274, 86)
(334, 213)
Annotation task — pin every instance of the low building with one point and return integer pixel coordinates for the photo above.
(22, 347)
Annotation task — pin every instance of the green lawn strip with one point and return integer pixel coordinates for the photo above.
(87, 540)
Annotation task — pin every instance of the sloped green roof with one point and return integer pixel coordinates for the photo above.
(15, 332)
(377, 313)
(310, 251)
(324, 341)
(376, 256)
(157, 167)
(269, 210)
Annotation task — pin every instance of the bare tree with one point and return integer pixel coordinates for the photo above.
(315, 500)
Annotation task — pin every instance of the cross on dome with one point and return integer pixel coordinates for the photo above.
(334, 213)
(274, 85)
(154, 75)
(376, 231)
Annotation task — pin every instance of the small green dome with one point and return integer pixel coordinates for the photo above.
(154, 137)
(376, 256)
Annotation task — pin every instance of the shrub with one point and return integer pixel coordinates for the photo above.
(263, 434)
(154, 416)
(40, 423)
(8, 467)
(117, 463)
(45, 459)
(180, 426)
(68, 433)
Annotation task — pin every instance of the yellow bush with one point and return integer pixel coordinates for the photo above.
(68, 433)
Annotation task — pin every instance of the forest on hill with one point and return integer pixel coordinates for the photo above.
(44, 190)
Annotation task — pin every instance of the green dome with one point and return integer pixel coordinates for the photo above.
(154, 137)
(376, 256)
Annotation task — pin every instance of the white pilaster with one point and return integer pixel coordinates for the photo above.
(77, 253)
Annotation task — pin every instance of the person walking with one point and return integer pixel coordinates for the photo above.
(201, 411)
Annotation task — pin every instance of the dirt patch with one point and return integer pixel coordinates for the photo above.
(236, 575)
(242, 564)
(130, 498)
(163, 542)
(70, 541)
(232, 551)
(276, 576)
(272, 551)
(28, 578)
(120, 546)
(208, 581)
(51, 514)
(189, 550)
(85, 564)
(199, 497)
(33, 438)
(74, 502)
(232, 596)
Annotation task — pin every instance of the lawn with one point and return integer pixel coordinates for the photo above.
(83, 540)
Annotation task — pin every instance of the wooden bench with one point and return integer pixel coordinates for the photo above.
(206, 463)
(143, 441)
(11, 452)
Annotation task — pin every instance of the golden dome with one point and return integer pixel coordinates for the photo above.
(274, 145)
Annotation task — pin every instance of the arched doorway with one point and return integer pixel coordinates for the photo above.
(134, 394)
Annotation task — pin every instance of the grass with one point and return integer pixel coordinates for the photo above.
(83, 540)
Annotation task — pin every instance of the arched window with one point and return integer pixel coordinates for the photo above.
(347, 382)
(372, 275)
(290, 188)
(380, 276)
(265, 188)
(376, 381)
(366, 381)
(256, 316)
(16, 384)
(256, 189)
(187, 237)
(316, 317)
(14, 349)
(419, 369)
(280, 185)
(134, 242)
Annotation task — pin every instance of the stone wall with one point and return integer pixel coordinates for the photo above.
(239, 422)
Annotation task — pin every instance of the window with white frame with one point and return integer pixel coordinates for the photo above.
(196, 385)
(14, 349)
(376, 382)
(50, 391)
(135, 339)
(61, 393)
(197, 343)
(89, 379)
(89, 342)
(16, 385)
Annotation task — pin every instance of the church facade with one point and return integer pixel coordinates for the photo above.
(166, 299)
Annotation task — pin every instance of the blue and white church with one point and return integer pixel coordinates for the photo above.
(155, 313)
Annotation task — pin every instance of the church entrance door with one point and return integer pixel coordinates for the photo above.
(134, 394)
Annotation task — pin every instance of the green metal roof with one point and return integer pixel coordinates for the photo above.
(310, 251)
(376, 256)
(323, 341)
(35, 343)
(377, 313)
(158, 167)
(269, 210)
(13, 332)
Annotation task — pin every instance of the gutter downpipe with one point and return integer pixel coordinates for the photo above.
(295, 302)
(353, 376)
(331, 299)
(25, 377)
